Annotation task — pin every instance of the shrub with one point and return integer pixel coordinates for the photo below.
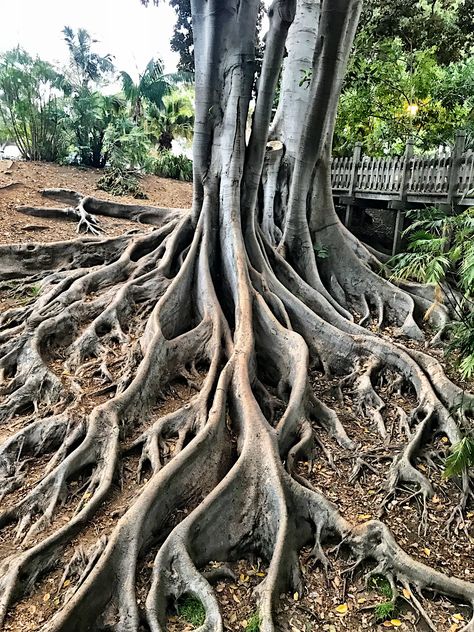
(441, 251)
(178, 167)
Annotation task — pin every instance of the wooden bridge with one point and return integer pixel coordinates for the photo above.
(404, 182)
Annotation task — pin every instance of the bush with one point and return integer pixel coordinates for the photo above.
(178, 167)
(441, 251)
(32, 106)
(119, 181)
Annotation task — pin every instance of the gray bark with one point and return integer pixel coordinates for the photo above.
(209, 299)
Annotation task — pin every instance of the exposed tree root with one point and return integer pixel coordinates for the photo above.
(258, 507)
(210, 301)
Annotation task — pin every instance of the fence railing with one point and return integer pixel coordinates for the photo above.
(446, 178)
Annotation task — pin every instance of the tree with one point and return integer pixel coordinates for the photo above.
(182, 40)
(405, 55)
(174, 119)
(32, 106)
(442, 25)
(230, 298)
(92, 112)
(392, 95)
(152, 86)
(87, 66)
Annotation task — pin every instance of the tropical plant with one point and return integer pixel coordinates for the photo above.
(152, 86)
(91, 111)
(87, 66)
(32, 106)
(441, 251)
(176, 166)
(91, 115)
(127, 148)
(174, 119)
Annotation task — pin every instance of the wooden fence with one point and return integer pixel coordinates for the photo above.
(404, 181)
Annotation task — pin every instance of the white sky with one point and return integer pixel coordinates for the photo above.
(125, 28)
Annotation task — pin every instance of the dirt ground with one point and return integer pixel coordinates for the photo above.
(20, 183)
(332, 602)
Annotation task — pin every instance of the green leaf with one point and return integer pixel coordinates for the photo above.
(461, 457)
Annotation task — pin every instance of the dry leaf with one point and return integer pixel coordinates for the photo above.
(427, 552)
(66, 582)
(406, 593)
(396, 623)
(387, 624)
(458, 617)
(296, 596)
(341, 609)
(364, 516)
(361, 600)
(46, 597)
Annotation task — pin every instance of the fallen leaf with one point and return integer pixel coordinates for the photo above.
(427, 552)
(296, 596)
(361, 600)
(46, 597)
(396, 623)
(341, 609)
(458, 617)
(66, 582)
(387, 624)
(364, 516)
(406, 593)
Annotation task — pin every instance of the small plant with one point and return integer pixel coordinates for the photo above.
(119, 181)
(191, 610)
(34, 291)
(178, 167)
(384, 611)
(382, 586)
(253, 624)
(461, 457)
(440, 251)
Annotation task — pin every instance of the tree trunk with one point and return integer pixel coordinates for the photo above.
(210, 298)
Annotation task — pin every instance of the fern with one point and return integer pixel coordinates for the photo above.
(440, 251)
(461, 457)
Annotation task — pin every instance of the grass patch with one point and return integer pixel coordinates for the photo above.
(384, 611)
(382, 586)
(191, 610)
(253, 624)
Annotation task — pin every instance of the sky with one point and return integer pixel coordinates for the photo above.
(132, 33)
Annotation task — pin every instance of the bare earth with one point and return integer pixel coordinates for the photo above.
(20, 183)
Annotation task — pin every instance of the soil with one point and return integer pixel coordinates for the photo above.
(21, 182)
(332, 602)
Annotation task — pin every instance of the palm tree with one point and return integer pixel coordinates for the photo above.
(88, 65)
(152, 86)
(175, 119)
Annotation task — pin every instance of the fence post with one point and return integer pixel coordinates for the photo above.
(401, 205)
(352, 183)
(456, 159)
